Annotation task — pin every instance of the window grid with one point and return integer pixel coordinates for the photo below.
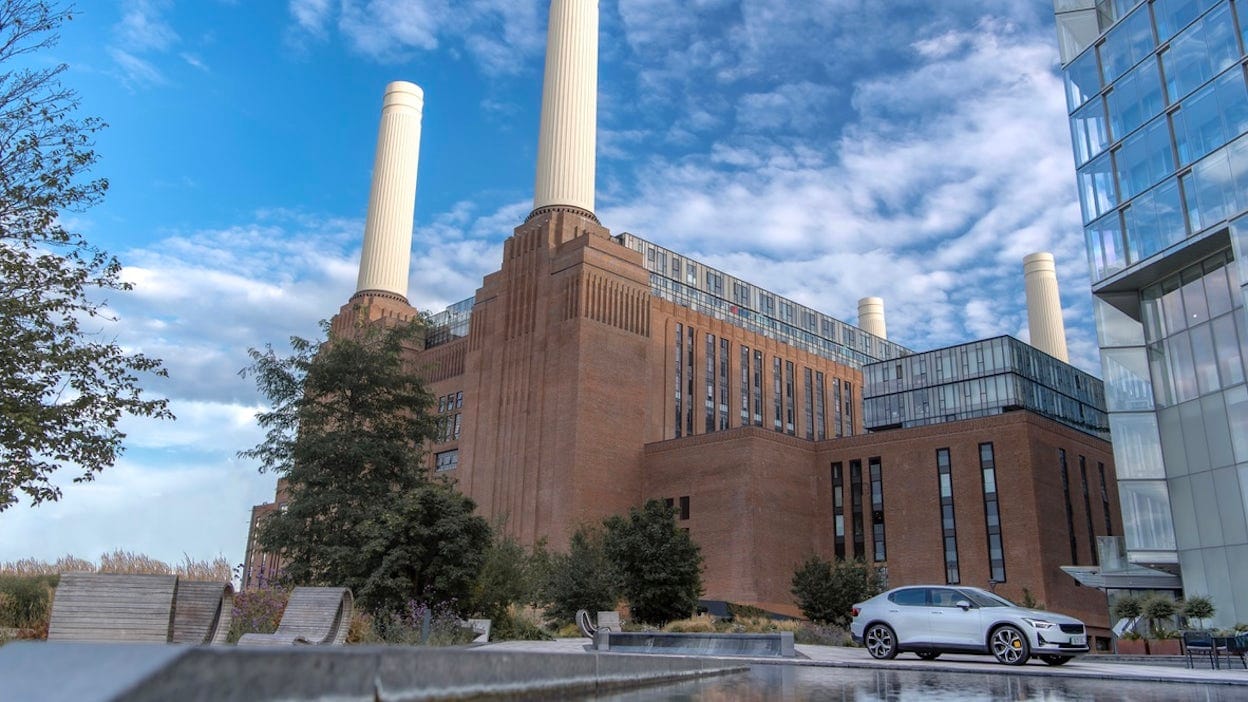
(949, 534)
(1070, 513)
(838, 509)
(992, 513)
(877, 509)
(1087, 508)
(855, 507)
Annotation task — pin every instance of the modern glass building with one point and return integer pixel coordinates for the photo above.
(1159, 117)
(980, 379)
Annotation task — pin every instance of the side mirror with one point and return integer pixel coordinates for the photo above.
(964, 604)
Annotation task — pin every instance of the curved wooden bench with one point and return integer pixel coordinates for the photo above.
(313, 615)
(113, 607)
(202, 612)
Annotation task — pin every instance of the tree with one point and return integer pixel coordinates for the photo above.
(827, 590)
(1156, 609)
(64, 382)
(509, 574)
(583, 578)
(1128, 607)
(348, 421)
(659, 565)
(1198, 607)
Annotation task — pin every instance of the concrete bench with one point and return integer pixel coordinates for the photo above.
(313, 615)
(104, 607)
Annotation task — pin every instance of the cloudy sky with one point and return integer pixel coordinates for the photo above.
(825, 149)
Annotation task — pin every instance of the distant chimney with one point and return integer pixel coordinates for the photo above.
(567, 137)
(1044, 306)
(871, 316)
(392, 201)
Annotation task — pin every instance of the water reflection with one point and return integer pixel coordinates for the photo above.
(767, 682)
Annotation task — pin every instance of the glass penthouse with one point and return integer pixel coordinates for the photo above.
(1159, 118)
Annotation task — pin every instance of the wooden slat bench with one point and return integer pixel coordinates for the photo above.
(202, 612)
(313, 615)
(113, 607)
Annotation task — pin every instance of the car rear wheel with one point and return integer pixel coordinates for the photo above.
(881, 642)
(928, 655)
(1056, 660)
(1010, 646)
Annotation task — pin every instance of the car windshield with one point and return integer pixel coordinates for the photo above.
(986, 599)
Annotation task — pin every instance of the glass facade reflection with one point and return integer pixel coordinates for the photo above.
(980, 379)
(1158, 105)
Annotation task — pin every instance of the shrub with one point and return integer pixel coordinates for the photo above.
(518, 625)
(1156, 609)
(1127, 607)
(827, 590)
(406, 626)
(257, 611)
(26, 603)
(1199, 608)
(822, 635)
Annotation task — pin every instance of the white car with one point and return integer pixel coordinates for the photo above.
(933, 619)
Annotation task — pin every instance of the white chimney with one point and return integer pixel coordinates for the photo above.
(566, 142)
(392, 202)
(871, 316)
(1044, 306)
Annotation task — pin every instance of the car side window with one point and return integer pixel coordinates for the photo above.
(912, 597)
(944, 597)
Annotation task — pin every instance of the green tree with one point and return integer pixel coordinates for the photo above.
(348, 421)
(660, 567)
(582, 578)
(1156, 609)
(1128, 607)
(510, 574)
(827, 590)
(1198, 607)
(65, 383)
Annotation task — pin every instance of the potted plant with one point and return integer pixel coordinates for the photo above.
(1130, 642)
(1199, 608)
(1164, 642)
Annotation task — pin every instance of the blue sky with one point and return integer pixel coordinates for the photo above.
(825, 149)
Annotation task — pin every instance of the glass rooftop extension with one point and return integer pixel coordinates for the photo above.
(714, 293)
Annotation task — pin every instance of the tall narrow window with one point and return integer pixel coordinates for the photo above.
(777, 393)
(690, 380)
(723, 383)
(849, 409)
(821, 429)
(684, 507)
(949, 532)
(808, 407)
(680, 384)
(712, 364)
(855, 508)
(877, 508)
(1087, 509)
(838, 509)
(837, 415)
(789, 409)
(1109, 522)
(992, 513)
(1070, 512)
(758, 388)
(745, 386)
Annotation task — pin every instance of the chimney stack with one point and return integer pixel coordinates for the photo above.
(567, 140)
(1044, 306)
(871, 316)
(387, 250)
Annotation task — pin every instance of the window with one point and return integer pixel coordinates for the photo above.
(1109, 523)
(877, 509)
(788, 399)
(1070, 513)
(1087, 508)
(808, 407)
(777, 393)
(745, 386)
(711, 367)
(680, 368)
(767, 304)
(446, 460)
(838, 509)
(855, 507)
(758, 388)
(459, 399)
(910, 597)
(715, 283)
(944, 475)
(689, 379)
(992, 513)
(740, 293)
(684, 507)
(723, 383)
(821, 430)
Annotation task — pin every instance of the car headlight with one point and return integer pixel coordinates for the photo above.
(1039, 623)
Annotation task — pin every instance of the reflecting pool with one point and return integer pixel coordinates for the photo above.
(778, 682)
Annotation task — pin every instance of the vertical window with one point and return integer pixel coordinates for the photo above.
(723, 383)
(680, 367)
(459, 399)
(745, 386)
(877, 508)
(789, 410)
(777, 393)
(849, 409)
(1087, 509)
(758, 388)
(821, 430)
(457, 425)
(1109, 522)
(1070, 513)
(992, 513)
(855, 508)
(944, 475)
(711, 365)
(837, 414)
(689, 380)
(838, 509)
(684, 507)
(808, 407)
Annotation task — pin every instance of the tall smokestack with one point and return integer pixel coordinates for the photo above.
(1044, 306)
(392, 202)
(566, 142)
(871, 316)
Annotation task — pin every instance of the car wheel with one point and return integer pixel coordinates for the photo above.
(1056, 660)
(928, 655)
(1010, 646)
(881, 642)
